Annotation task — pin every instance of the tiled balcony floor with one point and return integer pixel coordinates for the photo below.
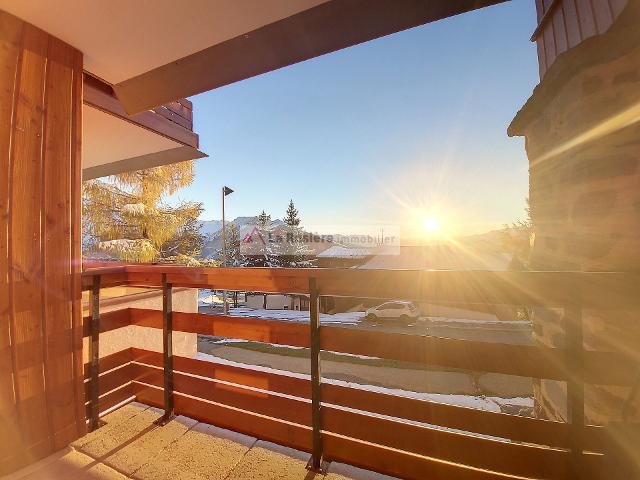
(129, 445)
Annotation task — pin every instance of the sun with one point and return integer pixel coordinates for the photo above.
(431, 225)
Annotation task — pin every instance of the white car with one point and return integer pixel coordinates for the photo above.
(403, 311)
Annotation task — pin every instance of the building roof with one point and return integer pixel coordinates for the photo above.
(440, 257)
(339, 251)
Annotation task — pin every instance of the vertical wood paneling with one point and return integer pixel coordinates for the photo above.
(57, 254)
(76, 241)
(24, 235)
(559, 30)
(542, 57)
(570, 23)
(10, 35)
(41, 403)
(574, 37)
(587, 21)
(549, 44)
(602, 15)
(540, 9)
(617, 6)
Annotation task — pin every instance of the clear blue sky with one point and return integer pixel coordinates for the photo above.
(380, 133)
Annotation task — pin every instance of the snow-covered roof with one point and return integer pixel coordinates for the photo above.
(440, 257)
(339, 251)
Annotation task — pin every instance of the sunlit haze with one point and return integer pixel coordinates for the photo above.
(375, 133)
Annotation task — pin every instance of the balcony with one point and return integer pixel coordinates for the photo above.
(131, 445)
(391, 434)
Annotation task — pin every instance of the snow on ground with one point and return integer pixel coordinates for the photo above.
(347, 318)
(492, 403)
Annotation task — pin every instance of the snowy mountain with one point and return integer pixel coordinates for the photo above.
(209, 227)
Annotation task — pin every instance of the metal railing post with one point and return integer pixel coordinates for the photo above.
(167, 350)
(316, 460)
(574, 351)
(94, 356)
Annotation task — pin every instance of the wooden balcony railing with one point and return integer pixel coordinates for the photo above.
(392, 434)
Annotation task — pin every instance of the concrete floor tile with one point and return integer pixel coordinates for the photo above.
(203, 453)
(74, 465)
(111, 420)
(107, 441)
(268, 461)
(145, 447)
(341, 471)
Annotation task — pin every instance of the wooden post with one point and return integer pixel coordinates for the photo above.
(167, 349)
(94, 355)
(574, 351)
(316, 461)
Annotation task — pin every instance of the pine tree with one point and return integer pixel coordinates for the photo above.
(126, 216)
(291, 218)
(264, 219)
(294, 251)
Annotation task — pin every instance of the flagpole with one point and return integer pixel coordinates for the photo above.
(225, 306)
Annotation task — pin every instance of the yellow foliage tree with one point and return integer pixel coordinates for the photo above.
(127, 217)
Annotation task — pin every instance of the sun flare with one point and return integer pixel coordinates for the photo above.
(431, 225)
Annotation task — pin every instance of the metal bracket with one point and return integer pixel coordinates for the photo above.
(167, 350)
(164, 419)
(322, 470)
(94, 356)
(315, 463)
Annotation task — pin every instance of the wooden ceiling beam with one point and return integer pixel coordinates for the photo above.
(328, 27)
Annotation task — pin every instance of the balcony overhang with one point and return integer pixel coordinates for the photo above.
(156, 55)
(114, 142)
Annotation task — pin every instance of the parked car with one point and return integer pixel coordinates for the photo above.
(403, 311)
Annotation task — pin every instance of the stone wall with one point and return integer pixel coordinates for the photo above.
(582, 129)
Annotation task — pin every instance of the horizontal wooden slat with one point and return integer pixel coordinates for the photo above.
(109, 277)
(398, 463)
(113, 379)
(100, 96)
(514, 427)
(179, 109)
(174, 117)
(262, 402)
(110, 362)
(275, 382)
(500, 456)
(254, 279)
(586, 289)
(186, 103)
(523, 360)
(604, 368)
(108, 321)
(145, 279)
(259, 330)
(523, 429)
(373, 457)
(113, 398)
(266, 428)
